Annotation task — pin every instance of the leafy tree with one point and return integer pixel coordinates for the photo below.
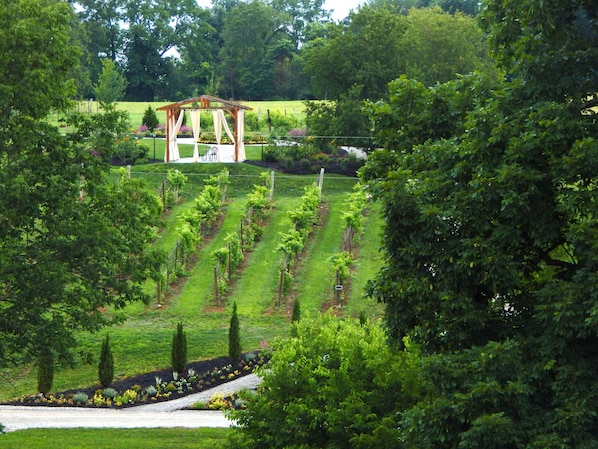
(155, 29)
(37, 56)
(489, 196)
(251, 31)
(45, 371)
(179, 350)
(106, 364)
(298, 14)
(333, 385)
(365, 52)
(71, 242)
(437, 46)
(111, 85)
(469, 7)
(234, 336)
(99, 27)
(344, 118)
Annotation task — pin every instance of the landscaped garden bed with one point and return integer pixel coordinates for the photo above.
(149, 388)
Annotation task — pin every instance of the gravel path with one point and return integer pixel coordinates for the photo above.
(162, 414)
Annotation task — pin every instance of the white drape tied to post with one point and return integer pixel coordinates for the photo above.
(241, 135)
(219, 122)
(173, 147)
(195, 124)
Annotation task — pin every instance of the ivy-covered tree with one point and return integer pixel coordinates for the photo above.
(489, 196)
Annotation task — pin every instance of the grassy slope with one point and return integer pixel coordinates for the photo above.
(142, 343)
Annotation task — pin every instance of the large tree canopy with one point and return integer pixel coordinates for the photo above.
(490, 199)
(71, 243)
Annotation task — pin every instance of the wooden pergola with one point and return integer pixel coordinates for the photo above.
(203, 102)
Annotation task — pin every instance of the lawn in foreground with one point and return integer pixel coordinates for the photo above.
(204, 438)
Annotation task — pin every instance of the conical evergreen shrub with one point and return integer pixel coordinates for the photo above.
(295, 317)
(45, 371)
(106, 365)
(234, 339)
(179, 350)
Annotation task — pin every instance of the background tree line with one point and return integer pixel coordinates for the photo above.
(272, 49)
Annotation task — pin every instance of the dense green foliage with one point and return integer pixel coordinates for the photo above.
(330, 386)
(356, 60)
(259, 49)
(489, 194)
(71, 243)
(106, 364)
(179, 350)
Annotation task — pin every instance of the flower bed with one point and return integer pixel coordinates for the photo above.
(152, 387)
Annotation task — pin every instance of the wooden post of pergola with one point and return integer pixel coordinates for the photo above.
(205, 103)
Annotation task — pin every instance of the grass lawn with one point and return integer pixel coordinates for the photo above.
(204, 438)
(315, 279)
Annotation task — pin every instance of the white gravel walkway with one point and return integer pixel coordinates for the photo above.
(162, 414)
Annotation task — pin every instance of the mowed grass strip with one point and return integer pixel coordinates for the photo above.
(368, 264)
(204, 438)
(315, 279)
(198, 291)
(255, 291)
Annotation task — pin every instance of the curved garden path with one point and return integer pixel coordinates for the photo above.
(163, 414)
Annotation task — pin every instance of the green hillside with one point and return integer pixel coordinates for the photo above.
(142, 342)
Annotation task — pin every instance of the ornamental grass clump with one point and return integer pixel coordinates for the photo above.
(80, 398)
(109, 393)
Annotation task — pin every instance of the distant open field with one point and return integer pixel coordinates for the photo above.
(136, 109)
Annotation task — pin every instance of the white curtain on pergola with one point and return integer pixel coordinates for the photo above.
(173, 147)
(241, 135)
(195, 124)
(219, 122)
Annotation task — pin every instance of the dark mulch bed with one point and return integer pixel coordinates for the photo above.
(149, 379)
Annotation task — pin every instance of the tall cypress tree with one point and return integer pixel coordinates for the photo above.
(45, 371)
(106, 365)
(179, 350)
(295, 317)
(234, 339)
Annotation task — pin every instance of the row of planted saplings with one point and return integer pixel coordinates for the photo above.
(207, 207)
(183, 380)
(353, 217)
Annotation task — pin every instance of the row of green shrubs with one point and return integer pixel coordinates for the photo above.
(180, 383)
